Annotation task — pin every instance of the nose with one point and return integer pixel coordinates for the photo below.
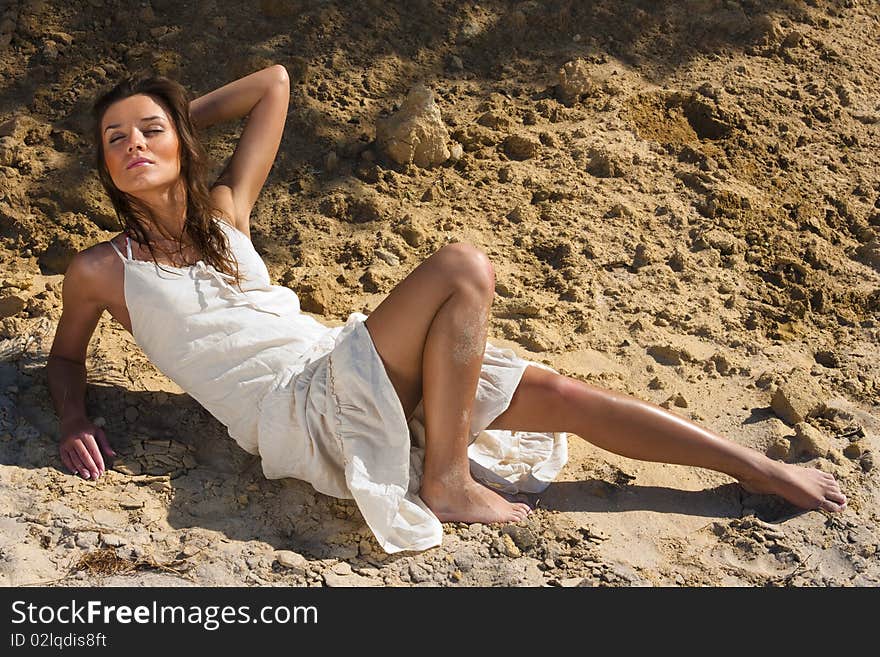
(136, 140)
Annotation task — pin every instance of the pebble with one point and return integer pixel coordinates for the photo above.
(521, 147)
(779, 449)
(86, 540)
(854, 450)
(665, 354)
(291, 559)
(416, 133)
(794, 401)
(509, 548)
(809, 442)
(522, 537)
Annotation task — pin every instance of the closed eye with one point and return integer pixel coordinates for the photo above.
(146, 132)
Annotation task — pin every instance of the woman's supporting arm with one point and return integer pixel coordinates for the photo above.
(82, 445)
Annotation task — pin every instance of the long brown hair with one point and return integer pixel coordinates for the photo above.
(207, 237)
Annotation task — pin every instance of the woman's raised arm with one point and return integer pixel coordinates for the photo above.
(263, 97)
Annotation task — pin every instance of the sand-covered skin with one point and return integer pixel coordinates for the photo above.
(689, 212)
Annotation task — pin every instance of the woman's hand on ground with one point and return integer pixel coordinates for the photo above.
(83, 448)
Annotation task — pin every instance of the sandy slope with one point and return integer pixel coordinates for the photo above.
(701, 228)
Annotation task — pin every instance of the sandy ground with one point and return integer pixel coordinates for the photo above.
(689, 213)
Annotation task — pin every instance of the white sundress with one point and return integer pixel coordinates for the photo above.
(315, 402)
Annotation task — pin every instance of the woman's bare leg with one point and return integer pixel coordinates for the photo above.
(430, 333)
(619, 423)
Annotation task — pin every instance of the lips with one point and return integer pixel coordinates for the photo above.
(138, 161)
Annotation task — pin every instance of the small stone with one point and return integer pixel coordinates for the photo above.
(867, 461)
(342, 568)
(331, 162)
(779, 449)
(131, 413)
(521, 147)
(808, 442)
(570, 582)
(456, 151)
(86, 540)
(291, 559)
(387, 256)
(796, 399)
(645, 255)
(575, 81)
(665, 354)
(113, 540)
(854, 450)
(509, 547)
(656, 384)
(604, 164)
(416, 133)
(827, 359)
(523, 537)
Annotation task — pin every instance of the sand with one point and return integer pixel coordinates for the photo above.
(681, 201)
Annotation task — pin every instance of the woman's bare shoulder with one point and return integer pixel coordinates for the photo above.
(93, 267)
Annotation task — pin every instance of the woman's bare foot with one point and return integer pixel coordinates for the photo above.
(807, 488)
(469, 501)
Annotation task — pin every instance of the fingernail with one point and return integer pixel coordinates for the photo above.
(85, 474)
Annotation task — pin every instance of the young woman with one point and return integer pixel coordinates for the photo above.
(382, 409)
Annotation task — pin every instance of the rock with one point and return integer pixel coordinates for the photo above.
(465, 560)
(867, 461)
(387, 256)
(665, 354)
(415, 134)
(523, 537)
(342, 568)
(779, 449)
(855, 450)
(495, 120)
(509, 548)
(418, 573)
(521, 147)
(796, 399)
(575, 82)
(292, 560)
(720, 240)
(792, 40)
(521, 213)
(645, 255)
(86, 540)
(455, 152)
(656, 384)
(113, 540)
(412, 233)
(570, 582)
(340, 581)
(827, 358)
(870, 253)
(109, 518)
(604, 164)
(11, 304)
(722, 365)
(808, 442)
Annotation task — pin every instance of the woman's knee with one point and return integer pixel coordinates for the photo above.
(465, 265)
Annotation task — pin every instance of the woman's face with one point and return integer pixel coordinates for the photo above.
(138, 128)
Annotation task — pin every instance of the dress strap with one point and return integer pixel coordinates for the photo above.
(118, 252)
